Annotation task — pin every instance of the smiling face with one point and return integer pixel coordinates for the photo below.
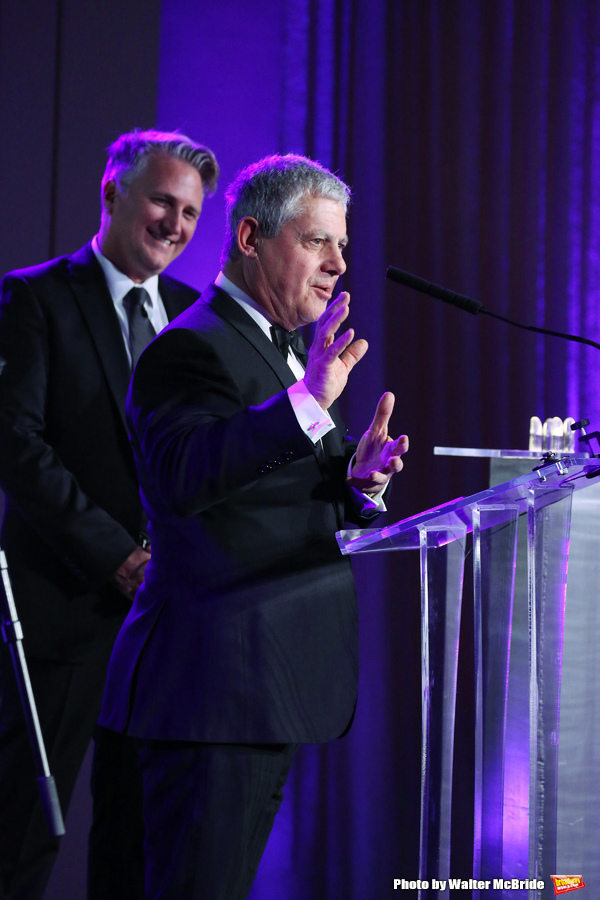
(293, 275)
(147, 227)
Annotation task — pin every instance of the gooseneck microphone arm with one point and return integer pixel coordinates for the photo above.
(471, 305)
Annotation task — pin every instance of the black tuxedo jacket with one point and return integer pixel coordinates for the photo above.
(245, 629)
(72, 505)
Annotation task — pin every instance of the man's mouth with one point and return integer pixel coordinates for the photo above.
(160, 238)
(325, 292)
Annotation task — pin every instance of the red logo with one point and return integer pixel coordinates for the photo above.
(565, 883)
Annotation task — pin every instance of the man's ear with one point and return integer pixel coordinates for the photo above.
(248, 236)
(109, 191)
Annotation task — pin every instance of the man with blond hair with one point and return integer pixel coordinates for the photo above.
(74, 534)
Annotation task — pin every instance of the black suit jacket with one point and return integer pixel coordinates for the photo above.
(72, 505)
(246, 627)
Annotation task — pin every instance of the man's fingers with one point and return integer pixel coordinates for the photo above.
(341, 301)
(342, 297)
(383, 413)
(337, 347)
(354, 352)
(392, 452)
(394, 465)
(346, 350)
(397, 447)
(329, 321)
(382, 475)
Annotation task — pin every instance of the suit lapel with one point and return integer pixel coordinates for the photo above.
(87, 282)
(231, 311)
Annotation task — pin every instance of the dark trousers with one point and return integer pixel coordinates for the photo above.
(209, 810)
(116, 842)
(68, 699)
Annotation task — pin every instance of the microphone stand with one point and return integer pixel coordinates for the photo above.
(12, 633)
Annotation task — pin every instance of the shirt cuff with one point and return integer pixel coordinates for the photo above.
(314, 421)
(366, 503)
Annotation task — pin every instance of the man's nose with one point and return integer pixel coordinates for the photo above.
(173, 222)
(336, 262)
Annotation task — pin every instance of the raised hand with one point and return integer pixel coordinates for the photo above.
(377, 455)
(331, 359)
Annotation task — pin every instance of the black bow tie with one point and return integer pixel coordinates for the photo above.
(284, 339)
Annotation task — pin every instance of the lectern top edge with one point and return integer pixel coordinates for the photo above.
(458, 513)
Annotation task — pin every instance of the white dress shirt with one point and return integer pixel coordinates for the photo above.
(119, 286)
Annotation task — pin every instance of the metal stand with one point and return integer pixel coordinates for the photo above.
(13, 636)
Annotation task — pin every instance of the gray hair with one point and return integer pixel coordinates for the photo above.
(273, 191)
(128, 157)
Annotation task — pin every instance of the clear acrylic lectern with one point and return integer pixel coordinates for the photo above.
(540, 502)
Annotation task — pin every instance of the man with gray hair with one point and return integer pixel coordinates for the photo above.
(74, 533)
(242, 641)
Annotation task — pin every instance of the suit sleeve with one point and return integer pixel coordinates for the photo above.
(32, 474)
(197, 439)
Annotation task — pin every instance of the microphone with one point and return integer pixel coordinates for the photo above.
(434, 290)
(470, 305)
